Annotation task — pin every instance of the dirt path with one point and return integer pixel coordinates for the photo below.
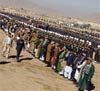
(32, 75)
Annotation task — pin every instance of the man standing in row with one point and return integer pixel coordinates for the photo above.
(86, 76)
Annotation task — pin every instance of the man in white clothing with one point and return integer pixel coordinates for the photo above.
(7, 43)
(80, 64)
(67, 71)
(77, 73)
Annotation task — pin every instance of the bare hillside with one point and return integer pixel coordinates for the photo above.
(32, 75)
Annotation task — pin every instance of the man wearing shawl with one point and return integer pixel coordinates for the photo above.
(86, 76)
(60, 59)
(48, 54)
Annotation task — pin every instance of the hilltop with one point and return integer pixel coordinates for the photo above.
(28, 8)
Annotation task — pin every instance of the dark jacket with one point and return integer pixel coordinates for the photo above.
(20, 44)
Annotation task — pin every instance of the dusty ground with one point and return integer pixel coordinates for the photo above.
(32, 75)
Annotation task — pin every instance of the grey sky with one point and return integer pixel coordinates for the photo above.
(71, 7)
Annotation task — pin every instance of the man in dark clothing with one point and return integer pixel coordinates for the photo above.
(76, 60)
(44, 49)
(19, 47)
(71, 58)
(97, 56)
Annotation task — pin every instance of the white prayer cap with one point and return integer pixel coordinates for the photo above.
(90, 43)
(71, 37)
(52, 42)
(12, 34)
(66, 36)
(98, 46)
(82, 40)
(64, 48)
(18, 38)
(76, 38)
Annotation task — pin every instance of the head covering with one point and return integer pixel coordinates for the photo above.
(52, 42)
(88, 58)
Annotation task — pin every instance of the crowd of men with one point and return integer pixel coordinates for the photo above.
(67, 60)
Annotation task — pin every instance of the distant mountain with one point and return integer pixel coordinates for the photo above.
(34, 7)
(25, 4)
(17, 4)
(96, 17)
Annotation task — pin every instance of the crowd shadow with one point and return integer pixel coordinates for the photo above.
(4, 62)
(14, 56)
(23, 59)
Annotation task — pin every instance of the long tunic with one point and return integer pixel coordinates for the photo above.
(86, 76)
(40, 48)
(67, 71)
(55, 57)
(48, 54)
(97, 56)
(60, 59)
(77, 73)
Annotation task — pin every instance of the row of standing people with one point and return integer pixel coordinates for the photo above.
(78, 67)
(12, 26)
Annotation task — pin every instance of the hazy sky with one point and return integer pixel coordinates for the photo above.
(87, 9)
(71, 7)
